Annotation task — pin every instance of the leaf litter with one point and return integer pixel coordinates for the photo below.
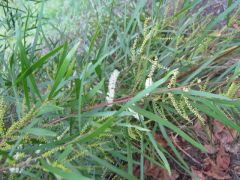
(216, 163)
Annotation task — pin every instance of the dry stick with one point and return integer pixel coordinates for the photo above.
(122, 100)
(217, 59)
(186, 153)
(115, 101)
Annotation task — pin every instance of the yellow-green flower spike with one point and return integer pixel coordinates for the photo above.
(177, 107)
(52, 151)
(21, 123)
(173, 79)
(2, 113)
(153, 68)
(193, 110)
(133, 50)
(232, 90)
(145, 26)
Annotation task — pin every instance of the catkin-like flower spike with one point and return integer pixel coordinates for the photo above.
(176, 6)
(145, 30)
(5, 146)
(228, 115)
(193, 110)
(153, 68)
(133, 50)
(147, 36)
(160, 66)
(60, 166)
(193, 82)
(184, 114)
(64, 133)
(131, 134)
(103, 119)
(52, 151)
(165, 15)
(148, 83)
(155, 29)
(173, 79)
(85, 128)
(110, 160)
(160, 111)
(134, 133)
(96, 144)
(232, 90)
(168, 38)
(105, 135)
(177, 108)
(112, 86)
(2, 113)
(178, 41)
(21, 123)
(145, 40)
(204, 86)
(77, 155)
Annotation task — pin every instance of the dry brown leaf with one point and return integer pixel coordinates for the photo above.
(155, 172)
(210, 148)
(161, 141)
(223, 159)
(212, 170)
(223, 134)
(218, 127)
(197, 126)
(200, 131)
(198, 174)
(166, 176)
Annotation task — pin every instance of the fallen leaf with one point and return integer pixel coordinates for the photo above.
(210, 148)
(155, 172)
(166, 176)
(161, 141)
(223, 159)
(197, 128)
(198, 174)
(212, 170)
(218, 127)
(223, 134)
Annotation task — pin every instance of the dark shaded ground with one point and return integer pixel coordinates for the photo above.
(221, 161)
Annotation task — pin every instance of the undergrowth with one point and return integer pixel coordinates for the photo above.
(173, 69)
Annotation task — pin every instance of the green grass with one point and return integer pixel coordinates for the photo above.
(56, 61)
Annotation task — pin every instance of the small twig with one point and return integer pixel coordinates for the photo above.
(123, 100)
(186, 153)
(217, 59)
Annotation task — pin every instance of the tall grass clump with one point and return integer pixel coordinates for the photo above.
(63, 117)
